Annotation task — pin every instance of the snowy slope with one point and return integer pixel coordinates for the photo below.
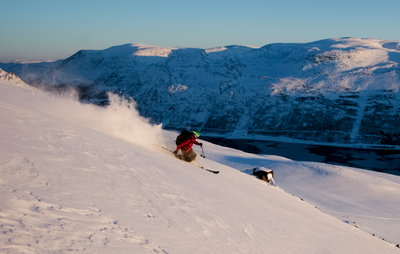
(84, 179)
(335, 90)
(366, 199)
(11, 79)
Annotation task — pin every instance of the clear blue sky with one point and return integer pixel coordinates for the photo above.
(55, 29)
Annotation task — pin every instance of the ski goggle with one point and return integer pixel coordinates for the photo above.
(196, 134)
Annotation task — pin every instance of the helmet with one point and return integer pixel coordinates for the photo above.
(196, 134)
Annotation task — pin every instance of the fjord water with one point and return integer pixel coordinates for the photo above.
(382, 160)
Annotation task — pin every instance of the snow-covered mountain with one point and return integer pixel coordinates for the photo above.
(12, 79)
(85, 179)
(336, 90)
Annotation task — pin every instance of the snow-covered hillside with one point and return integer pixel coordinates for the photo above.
(85, 179)
(11, 79)
(336, 90)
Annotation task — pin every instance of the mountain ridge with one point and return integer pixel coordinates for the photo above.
(333, 90)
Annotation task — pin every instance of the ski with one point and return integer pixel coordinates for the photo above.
(209, 170)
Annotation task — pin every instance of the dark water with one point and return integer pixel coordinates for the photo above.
(382, 160)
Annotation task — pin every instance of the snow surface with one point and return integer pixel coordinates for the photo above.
(11, 79)
(138, 50)
(84, 179)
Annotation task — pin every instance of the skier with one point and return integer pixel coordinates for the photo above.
(185, 142)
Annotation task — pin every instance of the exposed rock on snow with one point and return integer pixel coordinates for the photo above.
(12, 79)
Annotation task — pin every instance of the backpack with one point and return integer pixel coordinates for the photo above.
(185, 134)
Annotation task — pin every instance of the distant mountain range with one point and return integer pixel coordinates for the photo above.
(330, 91)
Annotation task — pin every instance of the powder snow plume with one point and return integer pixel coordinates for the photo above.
(122, 120)
(119, 119)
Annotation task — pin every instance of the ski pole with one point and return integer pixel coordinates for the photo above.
(164, 148)
(202, 155)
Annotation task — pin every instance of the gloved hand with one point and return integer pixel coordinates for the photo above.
(201, 144)
(175, 152)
